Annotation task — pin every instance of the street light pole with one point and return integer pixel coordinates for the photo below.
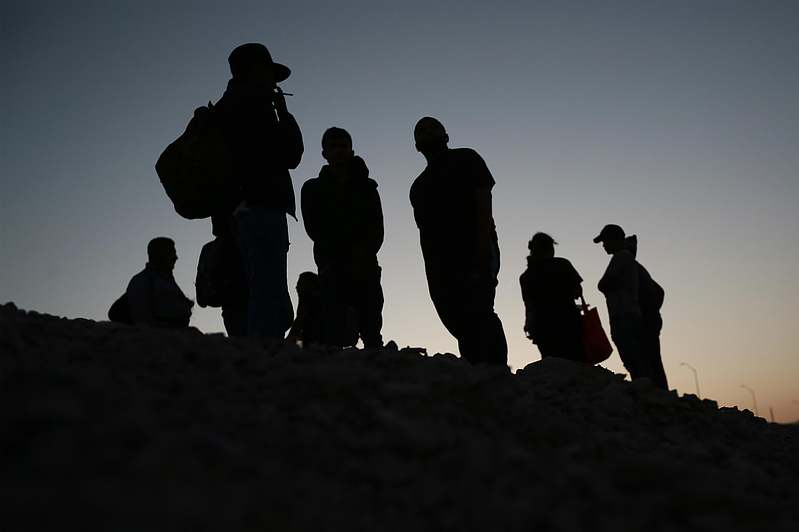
(696, 379)
(753, 397)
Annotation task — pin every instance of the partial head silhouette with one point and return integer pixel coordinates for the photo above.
(161, 253)
(612, 238)
(249, 58)
(608, 232)
(307, 282)
(337, 146)
(430, 135)
(541, 245)
(335, 133)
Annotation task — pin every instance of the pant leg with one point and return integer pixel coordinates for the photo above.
(652, 349)
(368, 303)
(334, 287)
(464, 299)
(626, 330)
(482, 339)
(262, 237)
(235, 319)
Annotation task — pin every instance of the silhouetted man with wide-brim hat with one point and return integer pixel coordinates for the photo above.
(265, 142)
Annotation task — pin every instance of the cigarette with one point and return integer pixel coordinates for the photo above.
(288, 94)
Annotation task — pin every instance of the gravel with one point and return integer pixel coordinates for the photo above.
(127, 428)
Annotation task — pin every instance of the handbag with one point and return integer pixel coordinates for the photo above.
(596, 345)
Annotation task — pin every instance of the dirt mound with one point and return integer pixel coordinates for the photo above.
(111, 427)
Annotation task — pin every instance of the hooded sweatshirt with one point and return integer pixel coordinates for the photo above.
(266, 146)
(342, 217)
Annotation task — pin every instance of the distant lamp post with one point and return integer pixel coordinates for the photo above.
(696, 379)
(754, 401)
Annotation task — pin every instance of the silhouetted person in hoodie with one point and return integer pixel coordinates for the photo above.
(265, 142)
(153, 295)
(451, 202)
(620, 286)
(343, 216)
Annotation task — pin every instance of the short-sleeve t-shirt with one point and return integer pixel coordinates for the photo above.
(548, 284)
(444, 202)
(623, 267)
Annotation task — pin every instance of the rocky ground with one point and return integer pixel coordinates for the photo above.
(126, 428)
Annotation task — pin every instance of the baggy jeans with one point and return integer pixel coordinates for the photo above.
(263, 237)
(340, 289)
(464, 299)
(627, 331)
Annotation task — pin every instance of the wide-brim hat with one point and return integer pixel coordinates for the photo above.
(257, 52)
(280, 72)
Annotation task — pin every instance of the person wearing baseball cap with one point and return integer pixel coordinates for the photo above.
(609, 232)
(620, 286)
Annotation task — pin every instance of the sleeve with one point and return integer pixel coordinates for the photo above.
(527, 297)
(291, 146)
(572, 274)
(660, 294)
(622, 267)
(310, 210)
(476, 171)
(523, 284)
(621, 273)
(253, 129)
(375, 226)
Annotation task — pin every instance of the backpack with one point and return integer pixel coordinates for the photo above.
(196, 170)
(120, 310)
(221, 273)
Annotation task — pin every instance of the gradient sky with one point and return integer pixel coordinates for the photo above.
(678, 121)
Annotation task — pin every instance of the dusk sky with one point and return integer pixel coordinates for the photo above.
(677, 120)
